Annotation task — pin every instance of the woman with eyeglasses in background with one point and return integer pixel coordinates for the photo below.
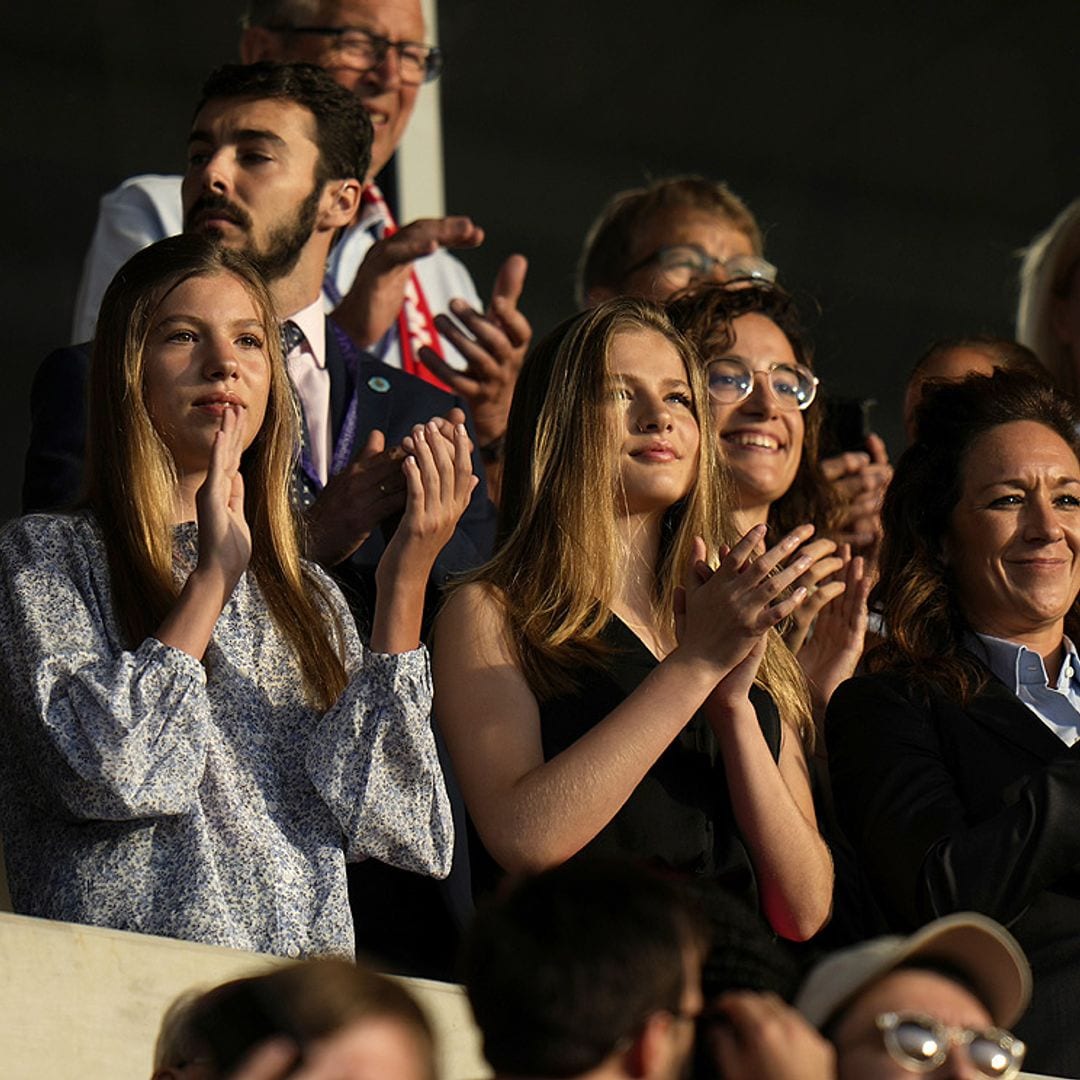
(767, 418)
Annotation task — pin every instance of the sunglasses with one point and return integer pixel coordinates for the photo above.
(920, 1044)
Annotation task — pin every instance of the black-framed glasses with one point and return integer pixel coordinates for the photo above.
(921, 1044)
(731, 381)
(363, 50)
(683, 264)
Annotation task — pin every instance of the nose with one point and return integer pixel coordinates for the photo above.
(1040, 521)
(215, 174)
(653, 415)
(761, 401)
(386, 71)
(219, 358)
(958, 1066)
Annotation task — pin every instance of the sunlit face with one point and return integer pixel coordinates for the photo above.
(715, 235)
(206, 353)
(1013, 543)
(762, 442)
(654, 420)
(378, 1048)
(860, 1050)
(388, 101)
(250, 181)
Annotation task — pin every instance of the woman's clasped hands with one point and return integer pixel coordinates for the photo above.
(724, 614)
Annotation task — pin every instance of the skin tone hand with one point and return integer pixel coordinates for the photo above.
(746, 590)
(224, 545)
(494, 347)
(860, 480)
(820, 589)
(370, 489)
(439, 483)
(833, 652)
(763, 1036)
(373, 301)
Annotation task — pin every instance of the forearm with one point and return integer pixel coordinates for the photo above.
(791, 861)
(399, 605)
(190, 624)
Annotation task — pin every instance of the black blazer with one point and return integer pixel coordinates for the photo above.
(389, 400)
(975, 808)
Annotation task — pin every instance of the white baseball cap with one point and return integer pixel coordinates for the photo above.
(978, 947)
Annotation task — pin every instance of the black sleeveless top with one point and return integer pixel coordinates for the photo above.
(680, 815)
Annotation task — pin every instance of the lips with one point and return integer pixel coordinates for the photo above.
(656, 451)
(218, 402)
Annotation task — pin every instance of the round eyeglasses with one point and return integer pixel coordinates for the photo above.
(921, 1044)
(683, 264)
(792, 385)
(362, 50)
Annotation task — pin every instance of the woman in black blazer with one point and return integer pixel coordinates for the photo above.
(955, 763)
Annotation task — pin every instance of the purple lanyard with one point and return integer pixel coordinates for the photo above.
(346, 439)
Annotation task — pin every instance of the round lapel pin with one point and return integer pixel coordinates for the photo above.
(378, 384)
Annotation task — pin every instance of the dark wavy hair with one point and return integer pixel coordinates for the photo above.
(343, 131)
(706, 314)
(915, 594)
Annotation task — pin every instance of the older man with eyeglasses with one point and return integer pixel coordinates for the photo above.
(391, 289)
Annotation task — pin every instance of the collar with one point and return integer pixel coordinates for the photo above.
(312, 320)
(1016, 665)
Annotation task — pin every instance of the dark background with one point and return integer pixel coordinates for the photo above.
(897, 154)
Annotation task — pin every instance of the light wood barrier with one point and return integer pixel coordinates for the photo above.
(84, 1001)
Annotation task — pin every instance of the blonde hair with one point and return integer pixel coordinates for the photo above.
(559, 557)
(131, 478)
(1045, 274)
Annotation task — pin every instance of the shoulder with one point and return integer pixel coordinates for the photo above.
(44, 542)
(473, 620)
(147, 190)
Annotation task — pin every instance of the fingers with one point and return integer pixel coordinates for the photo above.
(875, 446)
(373, 446)
(510, 281)
(845, 464)
(422, 237)
(465, 480)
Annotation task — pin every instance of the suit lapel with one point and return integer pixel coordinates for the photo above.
(1000, 710)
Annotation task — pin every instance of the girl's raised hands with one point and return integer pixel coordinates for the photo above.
(727, 610)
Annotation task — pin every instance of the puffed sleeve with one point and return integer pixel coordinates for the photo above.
(113, 734)
(926, 852)
(373, 759)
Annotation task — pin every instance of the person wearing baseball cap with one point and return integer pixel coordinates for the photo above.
(938, 1003)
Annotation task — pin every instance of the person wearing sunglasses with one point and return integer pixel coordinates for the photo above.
(938, 1003)
(767, 415)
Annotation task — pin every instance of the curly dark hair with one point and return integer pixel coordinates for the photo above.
(915, 594)
(706, 314)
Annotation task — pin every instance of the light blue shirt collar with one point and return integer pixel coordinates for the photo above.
(1023, 672)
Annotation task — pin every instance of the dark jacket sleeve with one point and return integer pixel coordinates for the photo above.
(53, 472)
(945, 814)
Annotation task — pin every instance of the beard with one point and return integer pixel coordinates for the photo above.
(284, 244)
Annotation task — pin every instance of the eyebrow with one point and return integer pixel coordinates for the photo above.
(190, 317)
(1017, 482)
(243, 135)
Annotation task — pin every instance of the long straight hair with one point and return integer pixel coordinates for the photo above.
(131, 477)
(559, 556)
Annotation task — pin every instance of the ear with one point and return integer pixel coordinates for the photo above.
(651, 1048)
(341, 199)
(260, 43)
